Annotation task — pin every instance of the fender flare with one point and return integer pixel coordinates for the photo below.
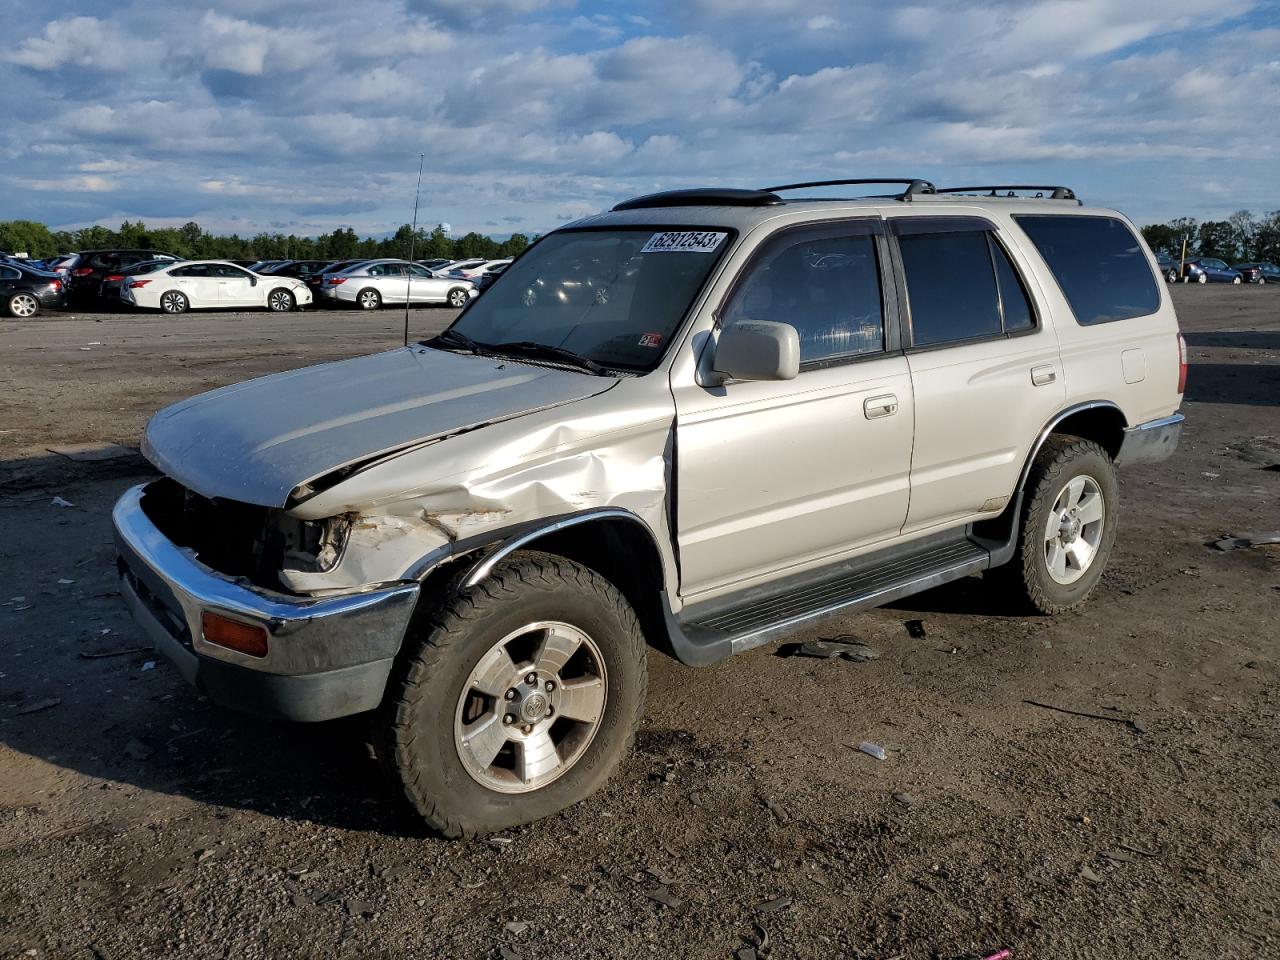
(1049, 427)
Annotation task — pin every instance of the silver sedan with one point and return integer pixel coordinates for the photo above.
(373, 283)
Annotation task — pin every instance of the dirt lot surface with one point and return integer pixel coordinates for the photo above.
(137, 820)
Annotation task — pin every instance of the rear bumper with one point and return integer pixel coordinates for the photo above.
(327, 657)
(1150, 442)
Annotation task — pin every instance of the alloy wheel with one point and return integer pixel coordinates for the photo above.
(23, 305)
(1074, 529)
(530, 707)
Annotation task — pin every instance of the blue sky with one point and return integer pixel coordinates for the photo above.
(303, 115)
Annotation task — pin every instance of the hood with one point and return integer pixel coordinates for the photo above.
(257, 441)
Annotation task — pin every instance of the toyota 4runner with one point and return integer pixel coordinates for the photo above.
(700, 421)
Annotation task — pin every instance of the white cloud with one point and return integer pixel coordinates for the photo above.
(80, 42)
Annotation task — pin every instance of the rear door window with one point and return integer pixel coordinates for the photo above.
(951, 287)
(1099, 264)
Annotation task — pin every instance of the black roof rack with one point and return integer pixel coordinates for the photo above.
(914, 186)
(1043, 191)
(702, 197)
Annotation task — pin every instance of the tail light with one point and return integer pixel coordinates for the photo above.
(135, 284)
(55, 285)
(1182, 364)
(82, 271)
(113, 277)
(334, 281)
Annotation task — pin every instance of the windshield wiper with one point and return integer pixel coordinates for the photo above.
(541, 351)
(453, 339)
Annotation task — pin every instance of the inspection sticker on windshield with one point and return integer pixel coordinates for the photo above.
(651, 340)
(683, 241)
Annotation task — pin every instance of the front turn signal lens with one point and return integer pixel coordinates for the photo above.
(235, 635)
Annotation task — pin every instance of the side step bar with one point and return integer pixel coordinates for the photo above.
(709, 632)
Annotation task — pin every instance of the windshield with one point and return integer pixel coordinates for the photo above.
(612, 296)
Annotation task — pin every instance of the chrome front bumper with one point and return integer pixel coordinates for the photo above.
(1150, 442)
(327, 657)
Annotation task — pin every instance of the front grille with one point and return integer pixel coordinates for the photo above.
(235, 539)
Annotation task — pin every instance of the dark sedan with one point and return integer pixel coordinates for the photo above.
(25, 291)
(298, 269)
(1209, 270)
(316, 280)
(84, 273)
(1258, 272)
(109, 291)
(1169, 267)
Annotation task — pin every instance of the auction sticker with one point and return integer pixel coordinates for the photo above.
(684, 241)
(651, 340)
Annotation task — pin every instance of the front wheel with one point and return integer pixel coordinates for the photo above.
(23, 305)
(519, 697)
(280, 301)
(1171, 276)
(1203, 278)
(457, 298)
(1236, 280)
(1068, 525)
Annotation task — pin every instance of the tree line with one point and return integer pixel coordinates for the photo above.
(1241, 238)
(190, 241)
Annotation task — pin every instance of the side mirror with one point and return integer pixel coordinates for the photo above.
(253, 281)
(758, 350)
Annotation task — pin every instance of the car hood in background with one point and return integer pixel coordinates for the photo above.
(257, 441)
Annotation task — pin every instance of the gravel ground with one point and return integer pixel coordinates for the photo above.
(138, 820)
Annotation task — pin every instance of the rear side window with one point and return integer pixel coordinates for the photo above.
(1098, 263)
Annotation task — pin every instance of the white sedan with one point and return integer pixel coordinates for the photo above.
(211, 284)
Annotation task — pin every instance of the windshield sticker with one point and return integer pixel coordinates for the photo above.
(683, 241)
(651, 340)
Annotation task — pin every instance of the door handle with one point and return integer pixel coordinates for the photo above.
(1044, 375)
(882, 406)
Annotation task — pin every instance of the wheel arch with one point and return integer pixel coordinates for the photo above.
(1101, 421)
(615, 543)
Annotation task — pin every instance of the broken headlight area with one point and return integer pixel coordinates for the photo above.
(244, 540)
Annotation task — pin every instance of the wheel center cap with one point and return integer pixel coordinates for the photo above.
(1069, 529)
(534, 708)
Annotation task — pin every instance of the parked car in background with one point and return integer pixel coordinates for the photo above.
(263, 266)
(438, 263)
(211, 284)
(59, 263)
(316, 280)
(1258, 272)
(25, 291)
(86, 268)
(475, 269)
(109, 291)
(1209, 270)
(300, 269)
(485, 280)
(373, 283)
(456, 266)
(1170, 268)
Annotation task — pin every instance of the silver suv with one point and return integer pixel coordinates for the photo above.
(699, 422)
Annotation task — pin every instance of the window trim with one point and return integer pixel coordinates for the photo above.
(972, 225)
(874, 226)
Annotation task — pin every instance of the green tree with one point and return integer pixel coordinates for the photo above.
(27, 236)
(1216, 238)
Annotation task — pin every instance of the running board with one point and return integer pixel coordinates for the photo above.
(709, 632)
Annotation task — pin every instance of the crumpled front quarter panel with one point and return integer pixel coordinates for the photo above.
(611, 450)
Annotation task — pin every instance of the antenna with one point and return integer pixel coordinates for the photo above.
(413, 236)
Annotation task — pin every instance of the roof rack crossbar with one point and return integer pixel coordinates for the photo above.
(914, 185)
(702, 197)
(1043, 191)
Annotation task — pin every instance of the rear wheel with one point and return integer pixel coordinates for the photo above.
(1068, 525)
(368, 299)
(458, 297)
(518, 698)
(171, 301)
(23, 305)
(1171, 276)
(280, 300)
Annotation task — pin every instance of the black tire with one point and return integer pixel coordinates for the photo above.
(458, 297)
(369, 299)
(414, 729)
(1172, 276)
(22, 306)
(281, 300)
(174, 302)
(1027, 575)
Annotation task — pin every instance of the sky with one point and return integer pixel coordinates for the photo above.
(304, 115)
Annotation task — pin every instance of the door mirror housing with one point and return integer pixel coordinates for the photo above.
(758, 350)
(253, 281)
